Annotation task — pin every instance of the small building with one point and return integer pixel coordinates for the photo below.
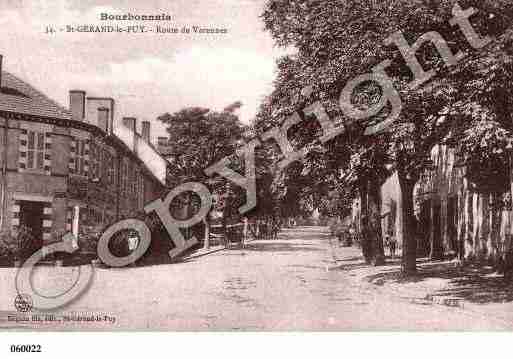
(454, 218)
(78, 169)
(387, 207)
(459, 219)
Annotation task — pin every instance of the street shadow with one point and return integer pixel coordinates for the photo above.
(351, 259)
(281, 247)
(480, 285)
(481, 290)
(351, 266)
(304, 235)
(389, 268)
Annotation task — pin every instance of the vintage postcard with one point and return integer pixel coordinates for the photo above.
(256, 165)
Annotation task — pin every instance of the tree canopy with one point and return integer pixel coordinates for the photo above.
(199, 137)
(341, 39)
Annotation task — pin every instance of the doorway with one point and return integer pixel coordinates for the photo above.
(31, 216)
(436, 240)
(423, 244)
(452, 224)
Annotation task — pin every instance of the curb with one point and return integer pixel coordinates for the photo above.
(202, 253)
(447, 301)
(423, 297)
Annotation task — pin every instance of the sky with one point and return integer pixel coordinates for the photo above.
(147, 74)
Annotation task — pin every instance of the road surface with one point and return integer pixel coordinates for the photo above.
(295, 283)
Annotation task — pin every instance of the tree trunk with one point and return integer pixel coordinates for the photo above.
(245, 232)
(379, 250)
(476, 224)
(409, 259)
(495, 223)
(462, 215)
(444, 235)
(469, 213)
(364, 224)
(207, 233)
(481, 219)
(485, 234)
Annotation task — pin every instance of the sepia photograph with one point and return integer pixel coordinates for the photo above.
(255, 166)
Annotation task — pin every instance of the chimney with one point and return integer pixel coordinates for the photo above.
(130, 123)
(146, 135)
(103, 118)
(77, 104)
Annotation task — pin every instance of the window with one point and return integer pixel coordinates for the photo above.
(36, 150)
(124, 177)
(107, 167)
(135, 177)
(112, 169)
(95, 161)
(140, 190)
(80, 158)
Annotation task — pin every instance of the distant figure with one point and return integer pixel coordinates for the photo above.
(277, 223)
(352, 229)
(392, 245)
(353, 233)
(387, 241)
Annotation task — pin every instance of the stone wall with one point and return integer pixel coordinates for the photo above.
(61, 188)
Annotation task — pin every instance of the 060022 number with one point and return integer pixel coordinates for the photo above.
(30, 348)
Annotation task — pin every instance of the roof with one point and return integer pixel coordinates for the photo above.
(153, 161)
(19, 97)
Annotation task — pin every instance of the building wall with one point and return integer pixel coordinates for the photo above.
(60, 151)
(391, 208)
(59, 186)
(461, 220)
(454, 218)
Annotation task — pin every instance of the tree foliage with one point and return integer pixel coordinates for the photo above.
(199, 137)
(341, 39)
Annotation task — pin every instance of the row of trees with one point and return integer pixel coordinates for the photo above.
(199, 138)
(467, 105)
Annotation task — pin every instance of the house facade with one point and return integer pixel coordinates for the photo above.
(454, 218)
(70, 170)
(387, 205)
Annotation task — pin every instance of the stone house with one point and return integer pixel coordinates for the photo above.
(454, 218)
(70, 170)
(459, 219)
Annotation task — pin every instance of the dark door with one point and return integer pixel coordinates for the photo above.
(452, 223)
(436, 245)
(423, 230)
(31, 216)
